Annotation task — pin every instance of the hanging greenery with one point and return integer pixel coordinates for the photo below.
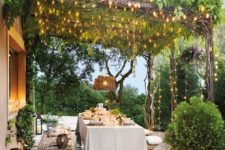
(11, 10)
(118, 24)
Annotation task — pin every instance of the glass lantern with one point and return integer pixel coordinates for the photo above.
(38, 124)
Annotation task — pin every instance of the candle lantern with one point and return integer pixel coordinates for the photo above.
(38, 124)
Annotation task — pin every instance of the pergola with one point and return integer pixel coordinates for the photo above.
(136, 26)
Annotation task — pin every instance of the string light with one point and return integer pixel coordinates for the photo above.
(71, 19)
(154, 14)
(185, 89)
(195, 18)
(159, 98)
(173, 85)
(173, 19)
(202, 8)
(110, 4)
(216, 68)
(167, 19)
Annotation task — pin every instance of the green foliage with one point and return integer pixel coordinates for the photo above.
(25, 127)
(11, 10)
(77, 100)
(219, 41)
(219, 90)
(60, 73)
(10, 132)
(196, 125)
(165, 110)
(50, 121)
(214, 7)
(187, 81)
(133, 105)
(115, 111)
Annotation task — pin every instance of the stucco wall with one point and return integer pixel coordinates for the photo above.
(3, 80)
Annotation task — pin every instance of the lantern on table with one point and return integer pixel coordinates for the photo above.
(38, 124)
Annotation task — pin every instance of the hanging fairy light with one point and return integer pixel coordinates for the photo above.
(184, 17)
(129, 4)
(216, 67)
(167, 20)
(173, 19)
(185, 84)
(134, 67)
(173, 85)
(154, 14)
(159, 99)
(110, 4)
(207, 16)
(195, 18)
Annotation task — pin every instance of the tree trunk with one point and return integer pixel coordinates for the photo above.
(209, 74)
(173, 89)
(119, 83)
(120, 92)
(149, 100)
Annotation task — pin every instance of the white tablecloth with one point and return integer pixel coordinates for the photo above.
(111, 137)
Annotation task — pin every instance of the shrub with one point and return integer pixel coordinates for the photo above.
(196, 126)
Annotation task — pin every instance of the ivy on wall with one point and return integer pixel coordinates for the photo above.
(10, 132)
(24, 9)
(25, 127)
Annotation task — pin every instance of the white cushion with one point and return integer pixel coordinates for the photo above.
(153, 140)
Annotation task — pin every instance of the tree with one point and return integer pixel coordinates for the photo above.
(118, 59)
(220, 89)
(58, 68)
(163, 115)
(133, 105)
(187, 84)
(149, 58)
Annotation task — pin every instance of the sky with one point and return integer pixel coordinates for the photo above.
(136, 81)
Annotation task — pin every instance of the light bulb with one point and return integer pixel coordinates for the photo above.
(195, 18)
(129, 4)
(167, 19)
(173, 19)
(154, 14)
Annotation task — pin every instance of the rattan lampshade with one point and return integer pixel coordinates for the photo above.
(105, 83)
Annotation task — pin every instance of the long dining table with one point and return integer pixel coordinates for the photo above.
(110, 137)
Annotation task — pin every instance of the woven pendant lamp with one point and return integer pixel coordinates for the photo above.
(107, 83)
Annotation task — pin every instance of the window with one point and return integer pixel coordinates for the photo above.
(13, 81)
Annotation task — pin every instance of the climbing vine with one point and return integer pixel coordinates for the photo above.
(11, 10)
